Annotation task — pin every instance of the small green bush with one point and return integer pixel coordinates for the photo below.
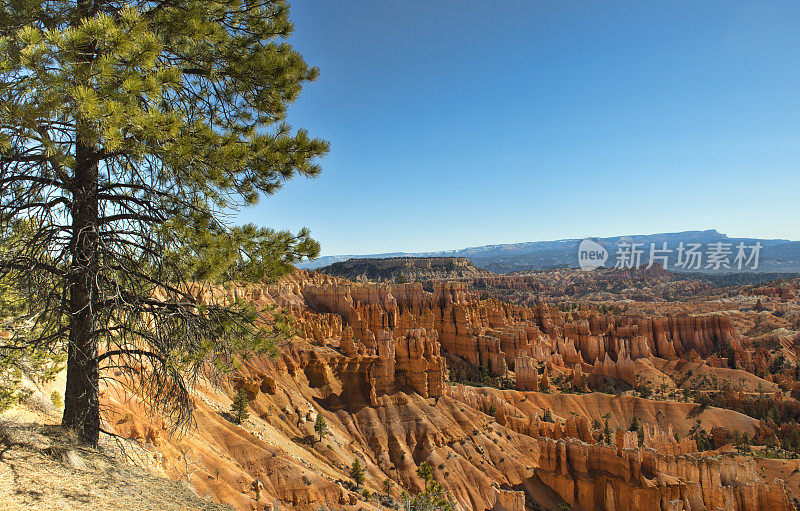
(239, 407)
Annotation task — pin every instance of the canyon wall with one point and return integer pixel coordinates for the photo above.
(373, 360)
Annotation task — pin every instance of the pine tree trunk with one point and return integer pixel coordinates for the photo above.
(81, 399)
(82, 395)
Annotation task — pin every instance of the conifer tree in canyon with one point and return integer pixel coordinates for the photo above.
(128, 131)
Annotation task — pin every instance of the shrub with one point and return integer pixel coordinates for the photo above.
(55, 397)
(239, 407)
(425, 472)
(434, 498)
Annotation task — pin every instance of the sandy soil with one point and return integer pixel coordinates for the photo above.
(43, 468)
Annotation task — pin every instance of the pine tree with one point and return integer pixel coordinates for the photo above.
(128, 129)
(547, 416)
(320, 426)
(425, 472)
(37, 363)
(634, 424)
(357, 473)
(239, 407)
(433, 498)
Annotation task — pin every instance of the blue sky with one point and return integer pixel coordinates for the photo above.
(464, 123)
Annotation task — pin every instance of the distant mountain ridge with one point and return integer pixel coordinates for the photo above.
(776, 255)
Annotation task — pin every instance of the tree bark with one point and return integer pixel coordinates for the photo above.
(82, 395)
(81, 399)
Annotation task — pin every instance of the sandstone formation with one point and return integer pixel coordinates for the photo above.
(373, 360)
(496, 335)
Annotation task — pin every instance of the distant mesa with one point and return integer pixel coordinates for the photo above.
(402, 269)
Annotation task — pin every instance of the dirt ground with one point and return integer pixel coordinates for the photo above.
(43, 468)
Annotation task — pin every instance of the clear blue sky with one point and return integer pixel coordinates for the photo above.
(463, 123)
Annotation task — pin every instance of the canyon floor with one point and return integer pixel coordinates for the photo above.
(553, 390)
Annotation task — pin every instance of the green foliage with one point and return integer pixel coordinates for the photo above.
(744, 445)
(436, 498)
(425, 472)
(388, 486)
(11, 393)
(606, 433)
(547, 416)
(726, 351)
(433, 498)
(320, 426)
(479, 376)
(38, 363)
(777, 364)
(357, 473)
(366, 494)
(128, 133)
(762, 407)
(55, 398)
(240, 406)
(702, 439)
(634, 424)
(568, 307)
(40, 366)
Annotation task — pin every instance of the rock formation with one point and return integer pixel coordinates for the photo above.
(527, 374)
(373, 359)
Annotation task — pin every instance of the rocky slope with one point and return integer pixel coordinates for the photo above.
(380, 363)
(375, 361)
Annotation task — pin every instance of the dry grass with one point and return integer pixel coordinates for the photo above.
(44, 468)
